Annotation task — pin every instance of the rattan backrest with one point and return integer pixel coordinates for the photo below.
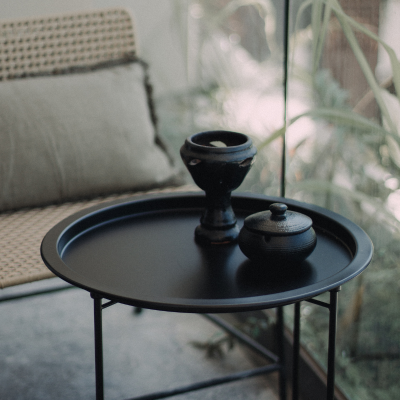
(47, 45)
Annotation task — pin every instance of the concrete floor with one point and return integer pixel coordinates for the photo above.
(47, 352)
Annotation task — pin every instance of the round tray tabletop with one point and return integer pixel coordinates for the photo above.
(143, 253)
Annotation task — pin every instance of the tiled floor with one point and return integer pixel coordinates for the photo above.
(46, 352)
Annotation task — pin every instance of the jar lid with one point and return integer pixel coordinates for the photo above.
(278, 221)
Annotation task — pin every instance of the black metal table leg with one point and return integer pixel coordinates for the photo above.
(98, 346)
(296, 351)
(281, 353)
(333, 309)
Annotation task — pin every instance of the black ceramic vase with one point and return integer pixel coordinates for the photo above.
(218, 162)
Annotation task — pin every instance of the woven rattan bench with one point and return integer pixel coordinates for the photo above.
(48, 46)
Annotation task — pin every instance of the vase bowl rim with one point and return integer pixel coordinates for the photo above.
(219, 141)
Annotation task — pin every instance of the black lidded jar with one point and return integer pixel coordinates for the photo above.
(277, 236)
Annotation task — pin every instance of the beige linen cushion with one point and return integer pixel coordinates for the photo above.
(78, 135)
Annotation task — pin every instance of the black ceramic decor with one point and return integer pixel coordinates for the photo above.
(277, 235)
(218, 161)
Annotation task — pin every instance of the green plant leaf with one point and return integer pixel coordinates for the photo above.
(316, 22)
(320, 35)
(340, 117)
(317, 185)
(395, 64)
(275, 135)
(345, 118)
(346, 22)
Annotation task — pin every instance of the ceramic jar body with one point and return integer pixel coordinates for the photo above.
(283, 249)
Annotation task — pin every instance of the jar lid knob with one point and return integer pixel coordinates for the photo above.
(278, 210)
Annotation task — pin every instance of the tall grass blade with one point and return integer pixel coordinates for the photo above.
(344, 21)
(275, 135)
(316, 24)
(317, 53)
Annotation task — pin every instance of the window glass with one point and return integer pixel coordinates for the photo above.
(343, 154)
(342, 140)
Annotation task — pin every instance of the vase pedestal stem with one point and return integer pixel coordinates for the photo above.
(218, 222)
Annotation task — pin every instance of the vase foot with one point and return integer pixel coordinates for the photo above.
(216, 236)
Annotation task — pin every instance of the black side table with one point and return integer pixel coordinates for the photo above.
(143, 253)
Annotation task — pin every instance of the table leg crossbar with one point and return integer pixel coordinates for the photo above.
(243, 338)
(211, 382)
(37, 292)
(277, 365)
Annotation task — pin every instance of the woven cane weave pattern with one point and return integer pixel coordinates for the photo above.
(46, 45)
(21, 233)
